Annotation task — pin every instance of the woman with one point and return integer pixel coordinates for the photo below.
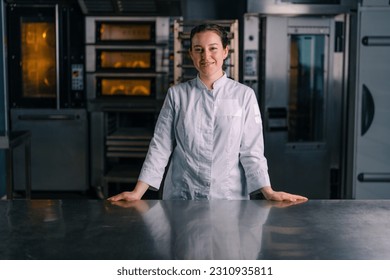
(210, 127)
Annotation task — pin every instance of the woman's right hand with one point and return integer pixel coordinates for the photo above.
(127, 196)
(136, 194)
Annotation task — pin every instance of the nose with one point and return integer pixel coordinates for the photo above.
(205, 53)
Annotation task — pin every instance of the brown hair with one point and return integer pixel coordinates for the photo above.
(219, 30)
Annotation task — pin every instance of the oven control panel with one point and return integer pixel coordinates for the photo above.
(77, 77)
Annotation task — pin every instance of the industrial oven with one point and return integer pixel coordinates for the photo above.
(296, 59)
(128, 71)
(46, 93)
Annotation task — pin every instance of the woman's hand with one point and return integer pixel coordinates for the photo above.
(136, 194)
(126, 196)
(270, 194)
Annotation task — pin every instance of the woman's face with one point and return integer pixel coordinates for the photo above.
(208, 54)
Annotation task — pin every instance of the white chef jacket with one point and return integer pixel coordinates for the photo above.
(215, 141)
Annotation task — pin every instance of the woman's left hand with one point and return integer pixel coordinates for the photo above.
(270, 194)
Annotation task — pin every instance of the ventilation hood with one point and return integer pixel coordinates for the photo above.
(132, 7)
(116, 7)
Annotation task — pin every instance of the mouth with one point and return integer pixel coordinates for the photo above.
(206, 63)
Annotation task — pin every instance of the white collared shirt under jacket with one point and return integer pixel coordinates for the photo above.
(215, 138)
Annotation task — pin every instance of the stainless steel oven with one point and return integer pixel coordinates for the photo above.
(127, 57)
(296, 59)
(46, 92)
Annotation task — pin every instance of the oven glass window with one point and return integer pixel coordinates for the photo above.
(126, 31)
(306, 92)
(125, 87)
(38, 59)
(125, 60)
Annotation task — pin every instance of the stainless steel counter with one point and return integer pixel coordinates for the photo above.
(257, 229)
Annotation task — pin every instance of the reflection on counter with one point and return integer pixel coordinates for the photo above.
(154, 229)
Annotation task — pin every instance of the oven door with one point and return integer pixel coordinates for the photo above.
(139, 31)
(132, 87)
(124, 59)
(371, 178)
(33, 57)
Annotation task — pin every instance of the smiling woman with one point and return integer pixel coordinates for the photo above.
(210, 130)
(208, 51)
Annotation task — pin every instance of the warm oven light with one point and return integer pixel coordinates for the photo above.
(126, 87)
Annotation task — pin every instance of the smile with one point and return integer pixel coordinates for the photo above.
(204, 64)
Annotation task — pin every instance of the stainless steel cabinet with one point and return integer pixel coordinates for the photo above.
(59, 148)
(371, 153)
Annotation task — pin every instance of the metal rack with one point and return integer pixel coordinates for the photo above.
(125, 149)
(128, 142)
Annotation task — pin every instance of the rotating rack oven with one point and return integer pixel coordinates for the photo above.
(127, 76)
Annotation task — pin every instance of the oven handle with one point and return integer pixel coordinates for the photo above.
(54, 117)
(376, 41)
(374, 177)
(368, 110)
(57, 58)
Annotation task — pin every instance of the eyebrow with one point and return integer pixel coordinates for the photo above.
(207, 45)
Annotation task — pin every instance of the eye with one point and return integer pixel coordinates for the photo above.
(198, 50)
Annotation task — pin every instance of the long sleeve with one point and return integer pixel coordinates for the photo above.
(252, 148)
(160, 147)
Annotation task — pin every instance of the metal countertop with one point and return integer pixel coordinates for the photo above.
(154, 229)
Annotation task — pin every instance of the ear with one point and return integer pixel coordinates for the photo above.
(226, 52)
